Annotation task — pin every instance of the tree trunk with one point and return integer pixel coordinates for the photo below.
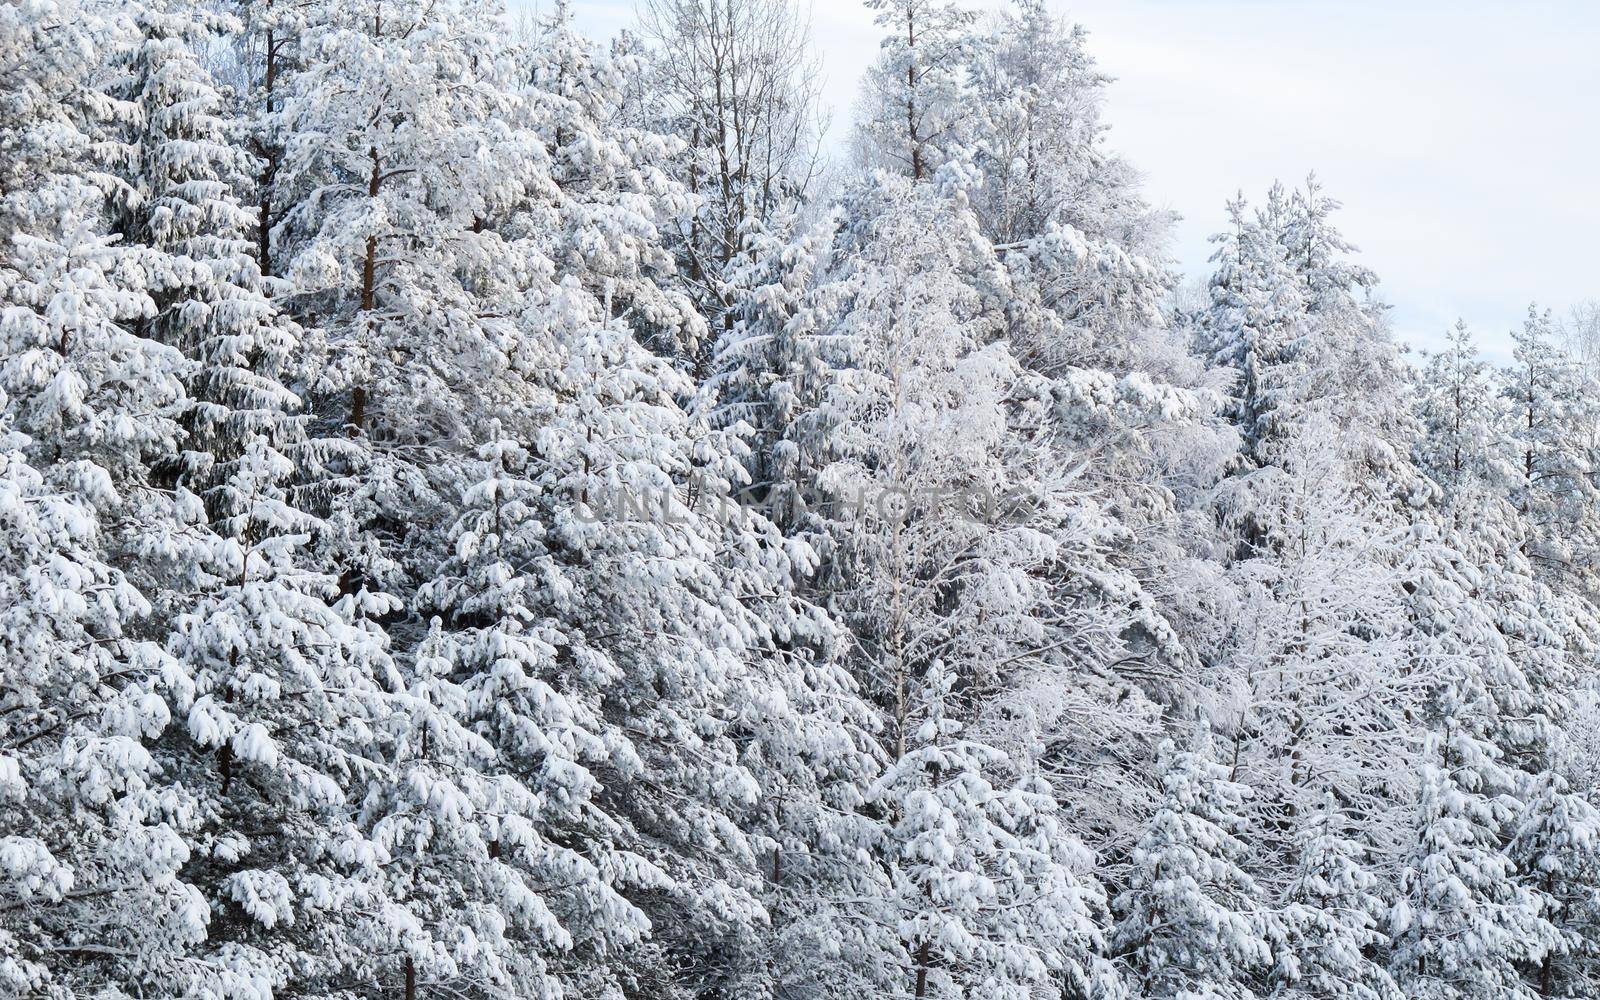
(269, 161)
(911, 97)
(369, 281)
(369, 266)
(358, 409)
(1547, 967)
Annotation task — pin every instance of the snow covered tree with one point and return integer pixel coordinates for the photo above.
(402, 156)
(613, 195)
(1252, 326)
(597, 627)
(180, 210)
(1552, 404)
(1298, 321)
(1330, 923)
(476, 520)
(56, 134)
(265, 51)
(528, 847)
(1035, 125)
(1317, 250)
(986, 891)
(736, 82)
(1480, 596)
(1189, 924)
(914, 94)
(1320, 660)
(94, 843)
(97, 401)
(287, 688)
(1478, 610)
(96, 838)
(1463, 924)
(895, 426)
(1130, 411)
(931, 446)
(769, 371)
(1556, 850)
(1463, 445)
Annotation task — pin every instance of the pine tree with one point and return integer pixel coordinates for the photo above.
(266, 51)
(1316, 250)
(914, 96)
(1480, 596)
(612, 193)
(1084, 310)
(94, 841)
(477, 520)
(1252, 326)
(289, 690)
(403, 162)
(931, 448)
(769, 371)
(96, 837)
(97, 401)
(525, 841)
(1463, 444)
(1297, 319)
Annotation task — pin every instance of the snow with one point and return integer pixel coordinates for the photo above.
(376, 403)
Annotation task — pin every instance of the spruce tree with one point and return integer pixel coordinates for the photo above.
(1464, 925)
(1330, 925)
(1189, 925)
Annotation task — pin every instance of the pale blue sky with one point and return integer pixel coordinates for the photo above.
(1463, 137)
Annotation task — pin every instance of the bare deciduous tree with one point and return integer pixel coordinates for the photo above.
(738, 82)
(1579, 333)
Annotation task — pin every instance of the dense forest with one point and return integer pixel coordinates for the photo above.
(487, 512)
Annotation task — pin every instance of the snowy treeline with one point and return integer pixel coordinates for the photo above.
(340, 339)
